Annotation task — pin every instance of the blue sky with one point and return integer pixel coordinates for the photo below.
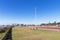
(23, 11)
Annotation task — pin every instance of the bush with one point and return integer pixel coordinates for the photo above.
(2, 30)
(5, 28)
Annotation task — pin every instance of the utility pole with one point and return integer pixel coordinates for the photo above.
(35, 16)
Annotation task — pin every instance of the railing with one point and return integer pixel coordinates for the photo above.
(8, 35)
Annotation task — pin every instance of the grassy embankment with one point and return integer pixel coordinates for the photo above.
(2, 34)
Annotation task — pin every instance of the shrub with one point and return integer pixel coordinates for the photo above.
(2, 30)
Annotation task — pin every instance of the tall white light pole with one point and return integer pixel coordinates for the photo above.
(35, 16)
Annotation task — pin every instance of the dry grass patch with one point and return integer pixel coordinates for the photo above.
(25, 33)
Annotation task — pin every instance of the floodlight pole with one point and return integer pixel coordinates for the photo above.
(35, 16)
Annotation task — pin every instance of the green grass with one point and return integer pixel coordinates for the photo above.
(22, 33)
(3, 34)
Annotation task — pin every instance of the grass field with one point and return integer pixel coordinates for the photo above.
(2, 35)
(24, 33)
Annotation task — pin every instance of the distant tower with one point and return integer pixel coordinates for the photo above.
(35, 15)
